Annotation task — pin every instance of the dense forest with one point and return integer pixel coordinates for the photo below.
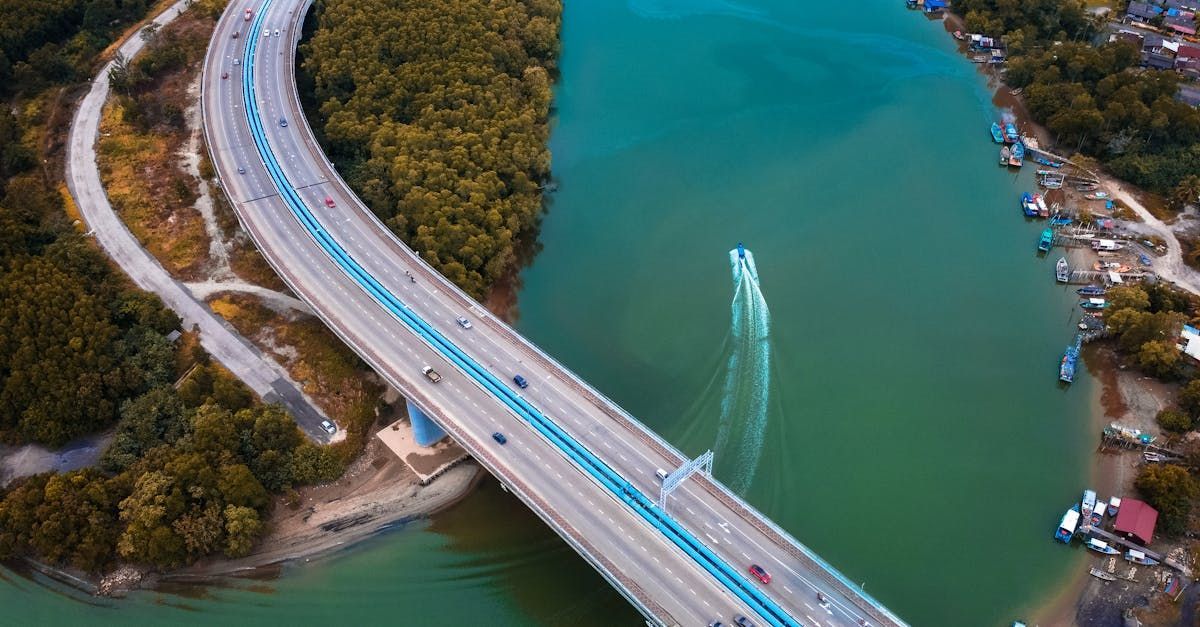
(1095, 99)
(436, 113)
(75, 339)
(191, 467)
(189, 473)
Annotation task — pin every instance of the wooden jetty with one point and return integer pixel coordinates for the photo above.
(1112, 537)
(1087, 277)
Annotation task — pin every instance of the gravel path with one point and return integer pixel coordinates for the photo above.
(267, 378)
(1170, 266)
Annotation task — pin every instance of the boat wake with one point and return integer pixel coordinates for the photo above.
(745, 397)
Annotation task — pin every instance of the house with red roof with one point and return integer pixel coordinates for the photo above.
(1135, 521)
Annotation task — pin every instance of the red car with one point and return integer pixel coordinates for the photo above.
(249, 14)
(760, 574)
(329, 202)
(224, 74)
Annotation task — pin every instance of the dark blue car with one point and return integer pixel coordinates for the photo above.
(521, 382)
(499, 437)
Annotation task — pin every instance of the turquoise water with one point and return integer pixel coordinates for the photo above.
(914, 434)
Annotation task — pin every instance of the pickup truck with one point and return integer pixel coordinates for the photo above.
(431, 374)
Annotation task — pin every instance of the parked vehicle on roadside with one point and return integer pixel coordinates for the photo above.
(431, 374)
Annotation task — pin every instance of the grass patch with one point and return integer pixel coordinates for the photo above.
(325, 368)
(145, 184)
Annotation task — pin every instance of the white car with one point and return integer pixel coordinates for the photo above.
(329, 427)
(266, 32)
(463, 322)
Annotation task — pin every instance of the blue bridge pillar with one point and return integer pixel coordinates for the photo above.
(425, 431)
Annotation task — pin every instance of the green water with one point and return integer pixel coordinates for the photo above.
(915, 435)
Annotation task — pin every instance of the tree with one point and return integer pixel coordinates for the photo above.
(1174, 420)
(1187, 192)
(1128, 297)
(1189, 398)
(1170, 490)
(1159, 358)
(242, 528)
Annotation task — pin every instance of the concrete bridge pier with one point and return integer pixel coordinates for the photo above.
(425, 431)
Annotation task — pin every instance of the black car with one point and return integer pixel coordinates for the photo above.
(283, 122)
(743, 621)
(499, 437)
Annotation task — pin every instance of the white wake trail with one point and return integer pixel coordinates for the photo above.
(744, 402)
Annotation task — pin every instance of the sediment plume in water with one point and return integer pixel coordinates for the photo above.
(745, 397)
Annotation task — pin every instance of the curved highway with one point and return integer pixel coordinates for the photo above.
(355, 275)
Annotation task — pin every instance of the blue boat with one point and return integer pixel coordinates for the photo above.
(1060, 220)
(1066, 370)
(1017, 159)
(1066, 528)
(1010, 133)
(1094, 303)
(1101, 547)
(1091, 290)
(1029, 205)
(1044, 161)
(1047, 241)
(997, 134)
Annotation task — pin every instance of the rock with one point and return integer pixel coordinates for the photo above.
(120, 581)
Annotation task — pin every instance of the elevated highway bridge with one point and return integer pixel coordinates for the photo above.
(580, 462)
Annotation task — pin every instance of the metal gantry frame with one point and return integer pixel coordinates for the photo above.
(679, 475)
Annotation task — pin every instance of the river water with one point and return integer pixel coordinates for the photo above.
(894, 401)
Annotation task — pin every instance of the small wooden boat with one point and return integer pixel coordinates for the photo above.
(1138, 557)
(1005, 155)
(1100, 546)
(1091, 290)
(1099, 574)
(1062, 270)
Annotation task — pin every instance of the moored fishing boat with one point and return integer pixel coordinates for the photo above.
(1101, 547)
(1092, 290)
(1046, 241)
(1062, 270)
(1010, 133)
(1017, 158)
(1114, 504)
(997, 133)
(1094, 304)
(1098, 514)
(1066, 373)
(1029, 205)
(1005, 155)
(1043, 210)
(1066, 528)
(1088, 504)
(1138, 557)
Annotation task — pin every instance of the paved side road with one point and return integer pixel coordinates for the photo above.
(268, 379)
